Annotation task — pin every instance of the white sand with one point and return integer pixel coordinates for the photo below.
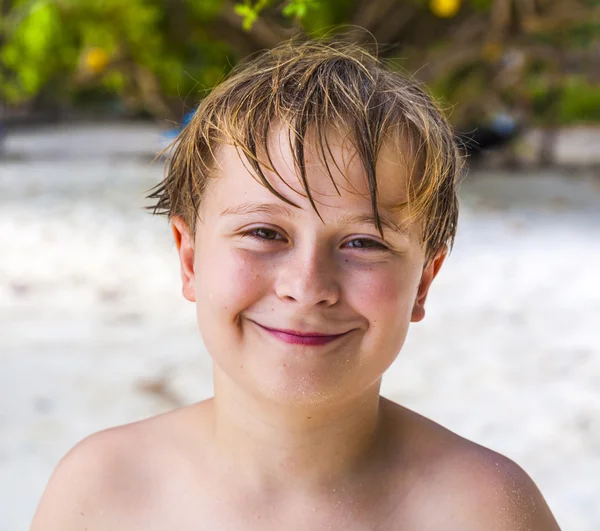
(94, 331)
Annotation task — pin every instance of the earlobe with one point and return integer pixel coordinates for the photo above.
(185, 249)
(429, 273)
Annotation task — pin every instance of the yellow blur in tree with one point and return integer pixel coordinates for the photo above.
(445, 8)
(95, 60)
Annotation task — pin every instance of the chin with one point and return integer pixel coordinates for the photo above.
(296, 381)
(256, 364)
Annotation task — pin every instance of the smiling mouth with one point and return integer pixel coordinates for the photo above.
(294, 337)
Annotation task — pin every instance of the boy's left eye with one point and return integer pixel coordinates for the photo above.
(366, 243)
(265, 234)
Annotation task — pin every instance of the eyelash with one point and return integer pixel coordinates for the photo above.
(252, 233)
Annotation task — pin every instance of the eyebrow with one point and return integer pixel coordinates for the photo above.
(258, 208)
(346, 219)
(385, 220)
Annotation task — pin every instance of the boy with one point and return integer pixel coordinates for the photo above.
(312, 199)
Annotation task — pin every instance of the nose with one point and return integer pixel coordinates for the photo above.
(309, 277)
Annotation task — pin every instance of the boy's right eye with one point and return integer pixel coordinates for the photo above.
(263, 233)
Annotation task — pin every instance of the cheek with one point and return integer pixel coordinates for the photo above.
(229, 280)
(384, 294)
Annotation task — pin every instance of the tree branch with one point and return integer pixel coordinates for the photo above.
(394, 22)
(264, 33)
(370, 13)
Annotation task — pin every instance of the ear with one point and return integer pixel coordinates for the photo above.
(429, 273)
(185, 249)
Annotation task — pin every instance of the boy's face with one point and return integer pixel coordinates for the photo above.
(294, 308)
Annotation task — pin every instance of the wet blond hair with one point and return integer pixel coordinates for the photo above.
(314, 88)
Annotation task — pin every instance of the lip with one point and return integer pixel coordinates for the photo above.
(294, 337)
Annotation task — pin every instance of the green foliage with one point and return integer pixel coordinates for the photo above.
(44, 42)
(293, 9)
(481, 5)
(155, 53)
(320, 17)
(583, 35)
(298, 9)
(30, 51)
(579, 102)
(204, 10)
(250, 11)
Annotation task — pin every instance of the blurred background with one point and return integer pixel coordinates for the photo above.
(93, 329)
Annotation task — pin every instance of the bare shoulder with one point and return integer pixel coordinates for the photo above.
(463, 486)
(82, 481)
(482, 489)
(110, 475)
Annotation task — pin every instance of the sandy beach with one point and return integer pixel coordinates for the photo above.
(94, 331)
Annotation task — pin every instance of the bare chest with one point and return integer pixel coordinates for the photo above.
(215, 510)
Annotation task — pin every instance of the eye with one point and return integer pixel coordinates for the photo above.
(366, 243)
(263, 233)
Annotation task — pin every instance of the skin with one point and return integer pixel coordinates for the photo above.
(296, 435)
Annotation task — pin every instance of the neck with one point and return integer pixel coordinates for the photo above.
(308, 447)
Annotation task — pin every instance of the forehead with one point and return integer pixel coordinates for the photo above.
(334, 173)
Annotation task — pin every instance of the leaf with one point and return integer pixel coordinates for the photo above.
(248, 14)
(298, 8)
(29, 79)
(242, 9)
